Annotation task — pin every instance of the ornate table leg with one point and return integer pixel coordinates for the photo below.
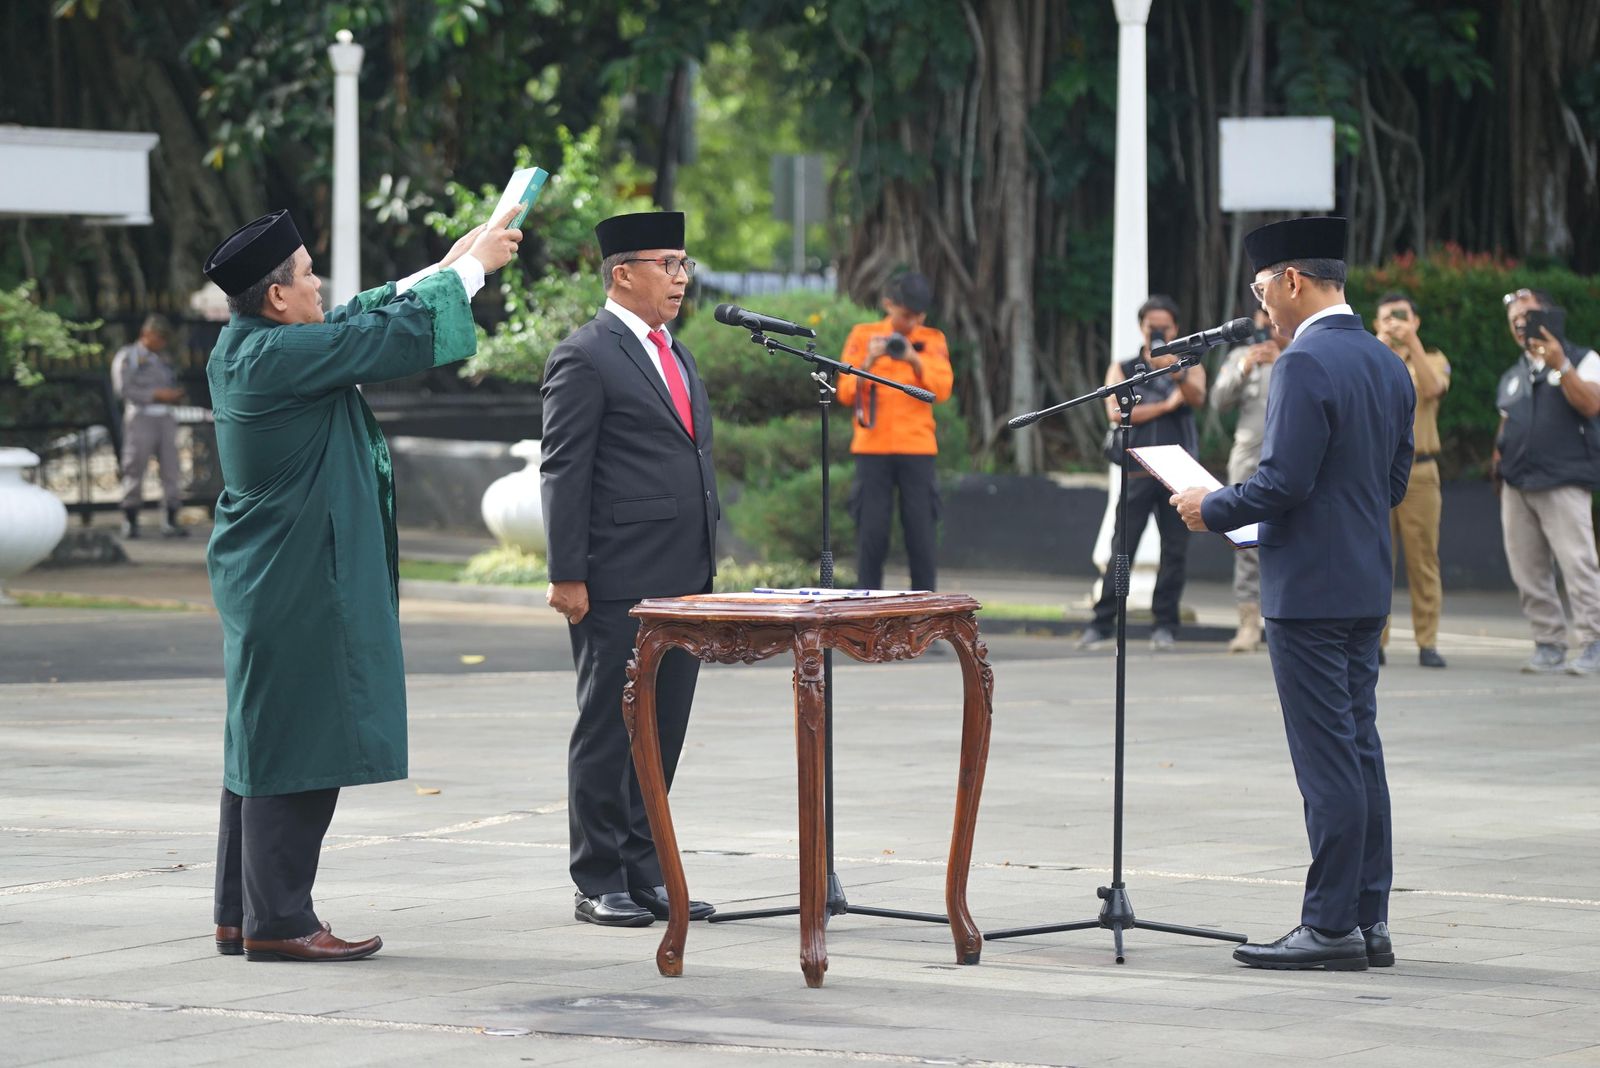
(977, 709)
(639, 713)
(810, 715)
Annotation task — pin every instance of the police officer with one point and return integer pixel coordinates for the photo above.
(148, 386)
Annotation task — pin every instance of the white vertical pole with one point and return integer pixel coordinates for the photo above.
(1130, 257)
(346, 59)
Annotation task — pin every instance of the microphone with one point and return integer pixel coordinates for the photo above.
(1235, 331)
(755, 322)
(1024, 420)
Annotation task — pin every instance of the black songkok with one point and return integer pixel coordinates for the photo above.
(1319, 237)
(249, 254)
(639, 231)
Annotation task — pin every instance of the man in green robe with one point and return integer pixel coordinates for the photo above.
(303, 561)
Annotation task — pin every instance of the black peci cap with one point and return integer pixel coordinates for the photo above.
(1319, 237)
(251, 252)
(641, 230)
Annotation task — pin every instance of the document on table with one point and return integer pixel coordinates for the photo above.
(1178, 471)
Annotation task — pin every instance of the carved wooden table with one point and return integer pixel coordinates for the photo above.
(744, 628)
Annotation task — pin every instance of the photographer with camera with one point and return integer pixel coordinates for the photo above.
(1547, 467)
(1242, 383)
(894, 443)
(1414, 522)
(1164, 416)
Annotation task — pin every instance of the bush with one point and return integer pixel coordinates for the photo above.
(783, 518)
(734, 577)
(749, 385)
(506, 566)
(1458, 298)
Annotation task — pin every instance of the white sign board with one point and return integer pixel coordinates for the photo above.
(1276, 164)
(100, 176)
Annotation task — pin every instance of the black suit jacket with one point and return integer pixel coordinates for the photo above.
(630, 499)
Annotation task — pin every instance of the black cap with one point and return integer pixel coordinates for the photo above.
(641, 230)
(1319, 237)
(249, 254)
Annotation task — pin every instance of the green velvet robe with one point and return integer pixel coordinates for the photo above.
(302, 559)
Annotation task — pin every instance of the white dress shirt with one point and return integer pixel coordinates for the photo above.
(1332, 309)
(641, 330)
(467, 266)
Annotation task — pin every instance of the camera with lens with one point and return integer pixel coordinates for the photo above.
(896, 346)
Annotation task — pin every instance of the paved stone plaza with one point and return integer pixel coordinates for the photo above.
(108, 803)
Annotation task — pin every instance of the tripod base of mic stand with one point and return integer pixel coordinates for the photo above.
(1116, 916)
(837, 906)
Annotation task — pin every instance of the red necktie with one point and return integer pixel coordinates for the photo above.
(674, 377)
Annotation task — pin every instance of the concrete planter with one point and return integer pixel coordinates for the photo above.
(31, 520)
(511, 506)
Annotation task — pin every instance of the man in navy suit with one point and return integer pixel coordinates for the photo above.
(1336, 457)
(630, 507)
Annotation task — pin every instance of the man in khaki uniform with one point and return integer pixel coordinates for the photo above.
(1415, 523)
(148, 387)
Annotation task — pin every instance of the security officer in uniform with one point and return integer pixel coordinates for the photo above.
(1335, 459)
(148, 387)
(630, 507)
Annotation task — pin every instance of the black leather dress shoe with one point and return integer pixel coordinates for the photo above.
(1304, 947)
(612, 910)
(1429, 657)
(1380, 951)
(654, 898)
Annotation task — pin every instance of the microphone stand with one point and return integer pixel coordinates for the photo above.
(821, 365)
(1116, 915)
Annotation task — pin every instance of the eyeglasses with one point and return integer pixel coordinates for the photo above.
(671, 264)
(1521, 294)
(1260, 288)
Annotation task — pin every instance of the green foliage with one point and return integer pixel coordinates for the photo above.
(734, 577)
(756, 453)
(555, 287)
(744, 114)
(31, 337)
(1458, 296)
(782, 518)
(750, 385)
(505, 566)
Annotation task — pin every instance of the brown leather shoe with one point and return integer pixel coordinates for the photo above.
(320, 946)
(230, 941)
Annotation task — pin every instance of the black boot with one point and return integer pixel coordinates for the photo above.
(171, 529)
(130, 523)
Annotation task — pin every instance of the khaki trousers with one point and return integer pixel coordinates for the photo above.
(1414, 527)
(1553, 527)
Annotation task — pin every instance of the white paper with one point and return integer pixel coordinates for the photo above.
(1178, 471)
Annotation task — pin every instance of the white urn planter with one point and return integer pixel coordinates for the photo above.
(32, 521)
(511, 506)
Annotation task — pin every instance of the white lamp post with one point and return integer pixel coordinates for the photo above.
(346, 59)
(1130, 259)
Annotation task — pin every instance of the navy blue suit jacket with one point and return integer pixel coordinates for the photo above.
(1335, 459)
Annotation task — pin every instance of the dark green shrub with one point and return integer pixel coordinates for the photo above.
(748, 384)
(783, 519)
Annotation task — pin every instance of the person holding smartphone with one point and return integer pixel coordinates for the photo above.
(1242, 384)
(1547, 467)
(1414, 524)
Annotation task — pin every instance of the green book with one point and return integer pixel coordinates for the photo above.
(523, 188)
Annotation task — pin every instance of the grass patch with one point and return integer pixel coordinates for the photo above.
(1046, 613)
(84, 600)
(431, 570)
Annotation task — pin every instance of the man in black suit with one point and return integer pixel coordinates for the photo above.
(630, 507)
(1335, 459)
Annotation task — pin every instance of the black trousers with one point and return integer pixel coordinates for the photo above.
(1327, 674)
(1147, 495)
(872, 504)
(267, 853)
(609, 830)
